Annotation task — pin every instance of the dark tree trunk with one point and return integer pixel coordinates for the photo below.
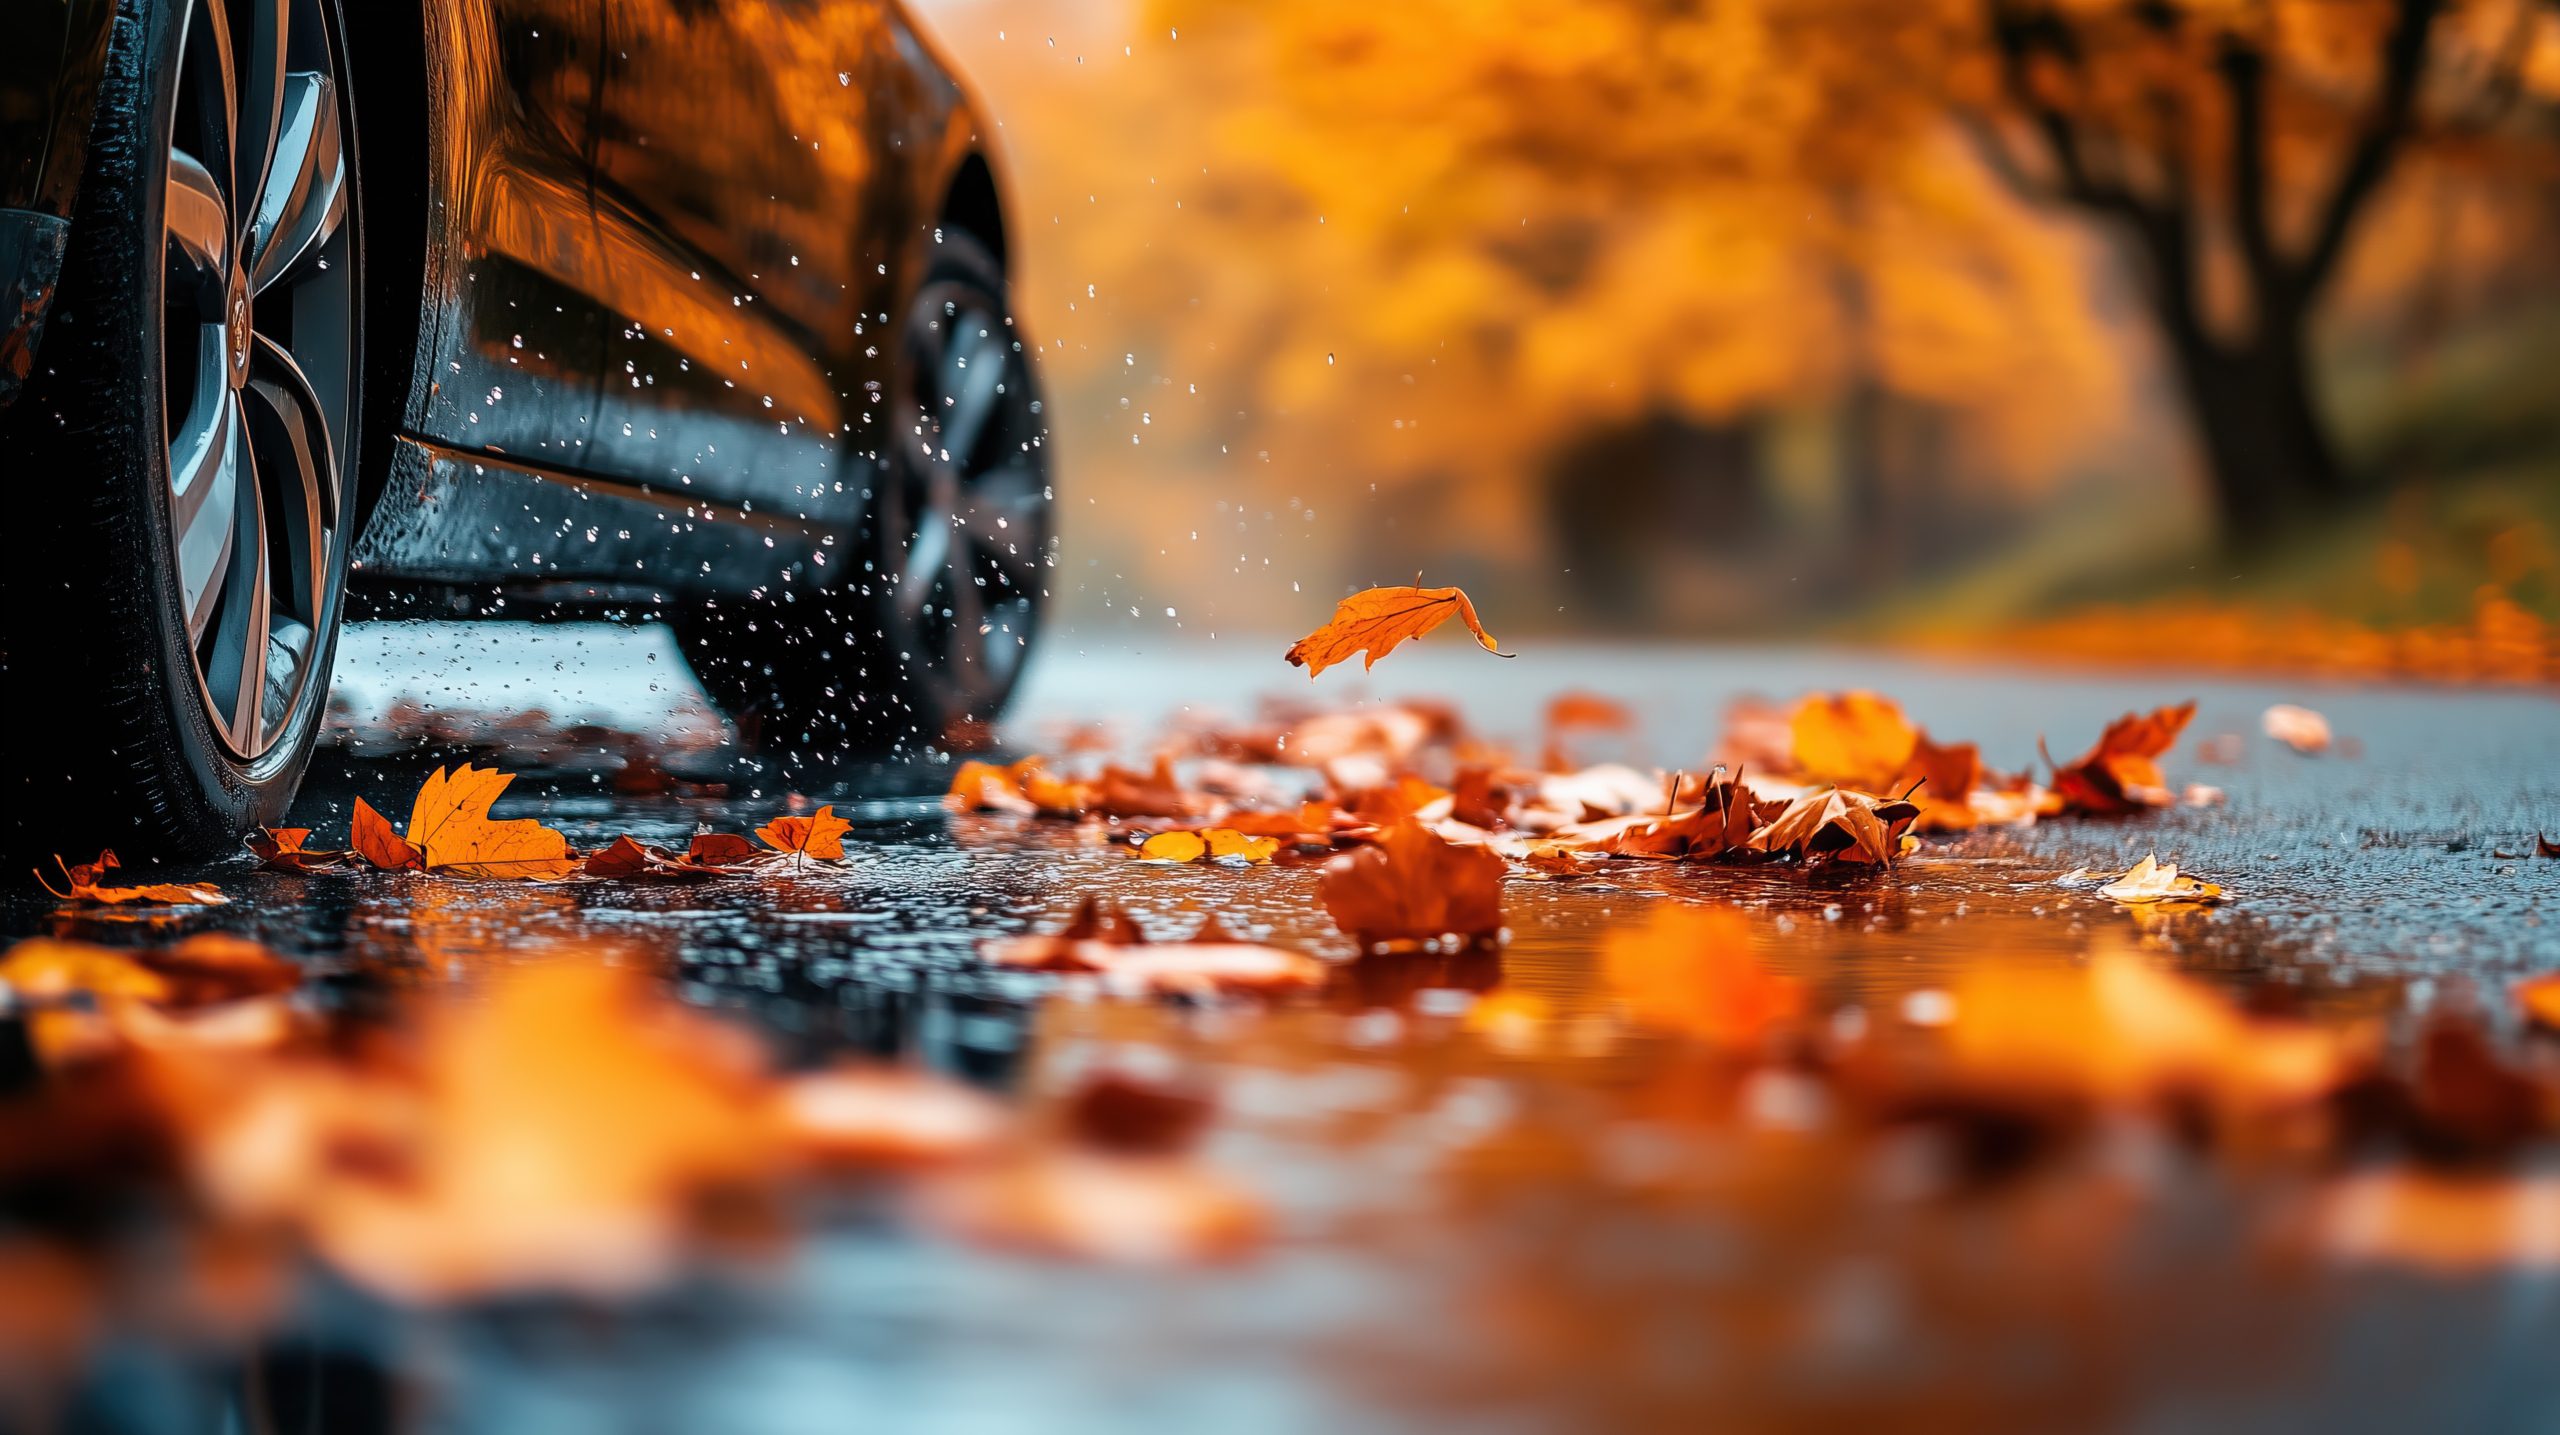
(2265, 447)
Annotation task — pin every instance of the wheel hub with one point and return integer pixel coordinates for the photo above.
(237, 326)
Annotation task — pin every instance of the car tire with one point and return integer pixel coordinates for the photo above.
(919, 644)
(180, 493)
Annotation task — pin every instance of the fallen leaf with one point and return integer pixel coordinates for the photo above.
(1377, 620)
(2122, 773)
(2542, 847)
(1413, 886)
(1855, 739)
(281, 849)
(1689, 970)
(83, 881)
(373, 838)
(1941, 780)
(1837, 825)
(1099, 1206)
(1214, 844)
(2298, 728)
(988, 787)
(1103, 941)
(720, 849)
(820, 834)
(2151, 880)
(454, 834)
(627, 857)
(883, 1116)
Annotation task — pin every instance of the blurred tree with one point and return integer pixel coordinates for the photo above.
(2235, 146)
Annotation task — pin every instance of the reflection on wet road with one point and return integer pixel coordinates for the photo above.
(1554, 1223)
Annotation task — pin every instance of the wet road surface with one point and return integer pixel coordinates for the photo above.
(1466, 1227)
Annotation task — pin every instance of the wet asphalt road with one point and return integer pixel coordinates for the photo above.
(2368, 880)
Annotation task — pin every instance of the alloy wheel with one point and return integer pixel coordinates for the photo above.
(258, 348)
(967, 512)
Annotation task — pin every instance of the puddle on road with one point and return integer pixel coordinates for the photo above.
(1486, 1197)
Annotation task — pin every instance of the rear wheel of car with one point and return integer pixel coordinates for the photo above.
(921, 641)
(183, 510)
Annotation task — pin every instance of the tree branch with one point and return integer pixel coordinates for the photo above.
(2404, 66)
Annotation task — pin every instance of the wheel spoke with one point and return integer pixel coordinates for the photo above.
(217, 108)
(235, 663)
(199, 237)
(928, 561)
(260, 94)
(292, 441)
(305, 196)
(976, 370)
(204, 480)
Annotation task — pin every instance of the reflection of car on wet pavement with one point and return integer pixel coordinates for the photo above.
(709, 322)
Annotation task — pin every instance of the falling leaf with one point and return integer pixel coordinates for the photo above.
(1377, 620)
(1689, 970)
(452, 830)
(1215, 844)
(2151, 880)
(281, 849)
(1837, 825)
(2122, 773)
(373, 838)
(1413, 886)
(2298, 728)
(820, 834)
(1853, 739)
(83, 881)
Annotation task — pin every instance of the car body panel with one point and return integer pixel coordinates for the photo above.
(49, 72)
(661, 250)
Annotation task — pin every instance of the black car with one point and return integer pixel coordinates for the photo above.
(693, 309)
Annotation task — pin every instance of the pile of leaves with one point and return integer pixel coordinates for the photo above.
(1842, 781)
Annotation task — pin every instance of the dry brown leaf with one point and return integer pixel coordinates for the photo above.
(373, 838)
(1375, 621)
(627, 857)
(1837, 825)
(820, 834)
(2122, 773)
(1412, 886)
(83, 880)
(455, 836)
(281, 849)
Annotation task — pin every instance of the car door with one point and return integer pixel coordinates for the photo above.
(518, 304)
(735, 143)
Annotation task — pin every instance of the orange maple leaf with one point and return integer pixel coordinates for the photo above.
(84, 878)
(451, 828)
(374, 839)
(1837, 825)
(1413, 886)
(820, 834)
(1377, 620)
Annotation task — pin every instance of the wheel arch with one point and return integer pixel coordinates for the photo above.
(387, 63)
(972, 202)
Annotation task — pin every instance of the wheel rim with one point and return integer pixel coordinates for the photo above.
(967, 513)
(258, 345)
